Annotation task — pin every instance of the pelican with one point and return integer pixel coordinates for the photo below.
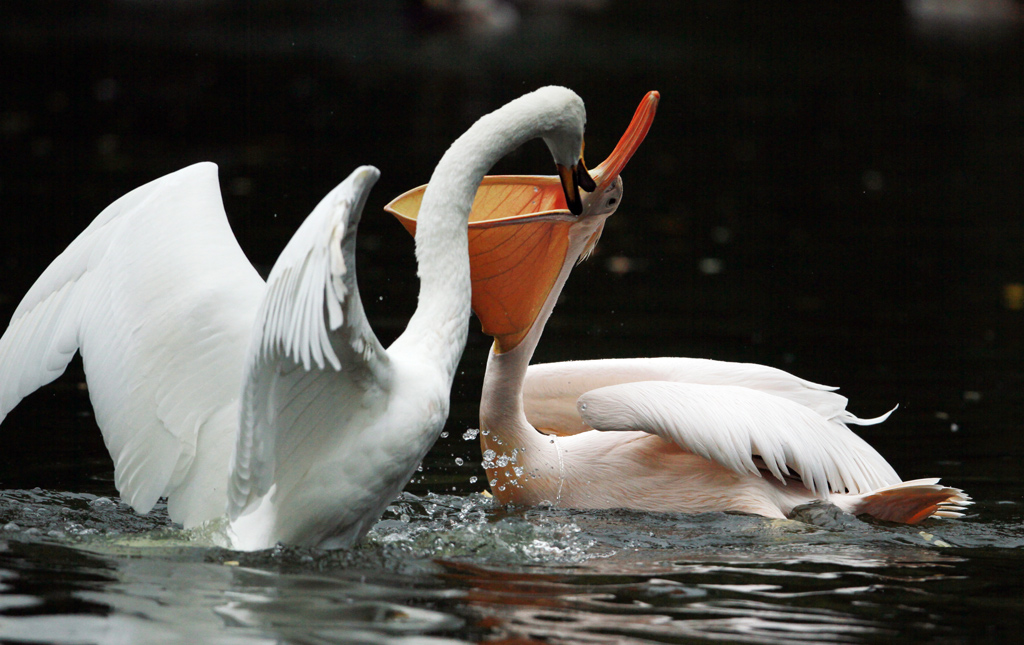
(272, 405)
(657, 434)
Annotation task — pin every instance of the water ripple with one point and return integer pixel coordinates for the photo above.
(438, 567)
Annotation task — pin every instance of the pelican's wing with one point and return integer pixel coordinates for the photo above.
(731, 425)
(314, 358)
(551, 389)
(159, 299)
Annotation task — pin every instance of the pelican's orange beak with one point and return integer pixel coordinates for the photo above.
(612, 167)
(519, 233)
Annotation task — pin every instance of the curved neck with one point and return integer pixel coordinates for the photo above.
(501, 401)
(504, 427)
(440, 325)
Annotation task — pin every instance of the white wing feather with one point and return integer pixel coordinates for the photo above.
(731, 424)
(551, 390)
(314, 357)
(159, 299)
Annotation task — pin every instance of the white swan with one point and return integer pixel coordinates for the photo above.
(659, 434)
(273, 403)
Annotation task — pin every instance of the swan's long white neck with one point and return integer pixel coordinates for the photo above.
(441, 322)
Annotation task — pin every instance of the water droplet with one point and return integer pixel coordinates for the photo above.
(518, 471)
(444, 435)
(502, 461)
(472, 480)
(470, 434)
(1013, 296)
(489, 455)
(458, 461)
(619, 264)
(493, 482)
(711, 266)
(873, 180)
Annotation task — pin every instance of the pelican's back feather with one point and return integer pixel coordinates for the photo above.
(732, 425)
(550, 390)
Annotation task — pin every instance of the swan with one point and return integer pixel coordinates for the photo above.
(658, 434)
(271, 406)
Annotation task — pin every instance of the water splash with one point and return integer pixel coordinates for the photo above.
(532, 573)
(443, 526)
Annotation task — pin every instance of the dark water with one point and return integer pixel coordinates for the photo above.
(833, 192)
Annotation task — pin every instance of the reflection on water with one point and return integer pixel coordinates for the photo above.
(445, 567)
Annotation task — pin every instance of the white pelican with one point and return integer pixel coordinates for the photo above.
(658, 434)
(273, 404)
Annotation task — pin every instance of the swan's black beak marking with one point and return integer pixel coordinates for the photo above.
(573, 179)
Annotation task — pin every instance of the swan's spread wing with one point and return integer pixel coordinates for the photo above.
(159, 299)
(731, 425)
(314, 358)
(551, 389)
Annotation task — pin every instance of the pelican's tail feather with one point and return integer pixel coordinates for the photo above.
(907, 502)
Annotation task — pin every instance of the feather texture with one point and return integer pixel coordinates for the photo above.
(731, 425)
(159, 299)
(310, 326)
(550, 390)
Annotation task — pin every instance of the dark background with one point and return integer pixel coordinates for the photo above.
(832, 189)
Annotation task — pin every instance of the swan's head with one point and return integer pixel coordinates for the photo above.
(560, 117)
(523, 234)
(572, 172)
